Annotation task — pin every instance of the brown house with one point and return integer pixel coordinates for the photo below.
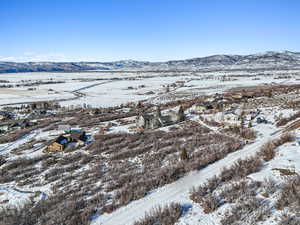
(70, 141)
(55, 147)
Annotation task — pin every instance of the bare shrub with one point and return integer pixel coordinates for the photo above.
(289, 194)
(20, 167)
(77, 157)
(242, 132)
(270, 186)
(124, 176)
(247, 212)
(128, 166)
(2, 160)
(56, 171)
(286, 120)
(210, 203)
(239, 170)
(286, 137)
(212, 123)
(233, 191)
(153, 179)
(167, 215)
(268, 152)
(15, 135)
(51, 161)
(184, 155)
(58, 209)
(289, 219)
(19, 163)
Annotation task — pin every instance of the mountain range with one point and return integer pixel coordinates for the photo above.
(266, 60)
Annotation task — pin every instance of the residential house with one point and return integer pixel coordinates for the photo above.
(55, 147)
(69, 141)
(148, 121)
(156, 120)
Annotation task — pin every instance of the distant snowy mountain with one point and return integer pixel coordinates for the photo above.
(272, 59)
(268, 59)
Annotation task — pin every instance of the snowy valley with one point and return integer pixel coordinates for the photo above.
(215, 144)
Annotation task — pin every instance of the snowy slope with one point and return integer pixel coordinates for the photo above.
(179, 190)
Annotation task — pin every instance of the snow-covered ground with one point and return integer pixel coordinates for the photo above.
(118, 88)
(150, 87)
(179, 190)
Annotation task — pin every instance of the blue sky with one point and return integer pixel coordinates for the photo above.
(155, 30)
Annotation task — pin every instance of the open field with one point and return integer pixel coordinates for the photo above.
(111, 88)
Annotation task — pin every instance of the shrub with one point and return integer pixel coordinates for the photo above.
(270, 186)
(284, 121)
(247, 212)
(2, 160)
(210, 203)
(243, 132)
(126, 165)
(167, 215)
(238, 170)
(234, 190)
(268, 149)
(289, 194)
(15, 135)
(58, 209)
(289, 219)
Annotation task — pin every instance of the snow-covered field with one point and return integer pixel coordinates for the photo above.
(111, 89)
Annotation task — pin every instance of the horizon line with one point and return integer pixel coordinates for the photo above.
(133, 60)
